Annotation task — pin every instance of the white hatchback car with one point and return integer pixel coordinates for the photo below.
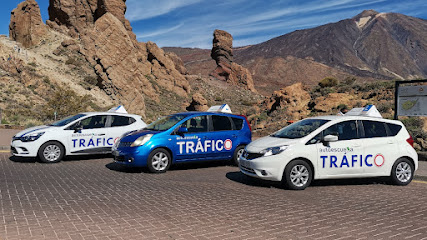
(332, 147)
(84, 133)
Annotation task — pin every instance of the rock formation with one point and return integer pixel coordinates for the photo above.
(26, 25)
(222, 53)
(198, 103)
(128, 70)
(293, 99)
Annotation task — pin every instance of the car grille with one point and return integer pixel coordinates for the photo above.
(250, 156)
(119, 158)
(125, 144)
(250, 170)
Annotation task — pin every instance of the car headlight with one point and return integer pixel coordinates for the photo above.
(32, 137)
(273, 150)
(141, 140)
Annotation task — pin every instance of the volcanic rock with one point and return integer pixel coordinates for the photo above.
(198, 103)
(293, 100)
(226, 70)
(128, 71)
(26, 25)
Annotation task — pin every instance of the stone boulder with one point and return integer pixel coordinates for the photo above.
(26, 25)
(198, 103)
(226, 70)
(293, 100)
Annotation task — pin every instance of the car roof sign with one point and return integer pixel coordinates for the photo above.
(119, 109)
(224, 108)
(368, 111)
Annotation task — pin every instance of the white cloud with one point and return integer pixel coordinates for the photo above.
(145, 9)
(159, 32)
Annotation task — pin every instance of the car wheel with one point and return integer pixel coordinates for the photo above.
(237, 153)
(298, 175)
(402, 172)
(159, 161)
(51, 152)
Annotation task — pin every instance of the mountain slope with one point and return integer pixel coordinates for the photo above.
(372, 44)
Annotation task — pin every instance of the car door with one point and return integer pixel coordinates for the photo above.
(89, 135)
(223, 137)
(118, 125)
(380, 149)
(342, 157)
(194, 143)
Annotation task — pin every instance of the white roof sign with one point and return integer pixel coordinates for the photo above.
(119, 109)
(368, 111)
(224, 108)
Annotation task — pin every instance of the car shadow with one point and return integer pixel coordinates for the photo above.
(255, 182)
(22, 159)
(250, 181)
(65, 159)
(175, 167)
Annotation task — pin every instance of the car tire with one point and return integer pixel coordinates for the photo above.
(51, 152)
(297, 175)
(159, 161)
(402, 172)
(237, 153)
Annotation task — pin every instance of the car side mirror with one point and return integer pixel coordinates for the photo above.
(330, 138)
(78, 129)
(182, 130)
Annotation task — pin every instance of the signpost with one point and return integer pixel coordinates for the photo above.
(410, 100)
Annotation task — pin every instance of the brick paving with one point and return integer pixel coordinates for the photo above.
(96, 199)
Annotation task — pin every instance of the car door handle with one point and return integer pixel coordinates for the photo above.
(390, 142)
(357, 145)
(234, 136)
(102, 134)
(205, 137)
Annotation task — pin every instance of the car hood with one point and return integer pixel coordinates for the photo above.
(130, 137)
(36, 129)
(267, 142)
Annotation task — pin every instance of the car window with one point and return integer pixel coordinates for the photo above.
(93, 122)
(221, 123)
(394, 128)
(119, 121)
(165, 123)
(196, 124)
(238, 123)
(299, 129)
(374, 129)
(344, 130)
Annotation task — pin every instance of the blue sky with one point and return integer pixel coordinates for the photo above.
(190, 23)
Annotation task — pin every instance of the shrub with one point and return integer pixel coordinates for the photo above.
(328, 82)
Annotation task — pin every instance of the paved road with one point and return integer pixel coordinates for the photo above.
(96, 199)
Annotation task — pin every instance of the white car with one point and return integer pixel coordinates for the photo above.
(84, 133)
(332, 147)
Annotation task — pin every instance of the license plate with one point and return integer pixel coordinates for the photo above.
(245, 164)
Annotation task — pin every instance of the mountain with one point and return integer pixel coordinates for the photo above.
(368, 47)
(371, 44)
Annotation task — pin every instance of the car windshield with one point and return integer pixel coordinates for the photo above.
(66, 120)
(299, 129)
(165, 123)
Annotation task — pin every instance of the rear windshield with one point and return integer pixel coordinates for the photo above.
(300, 129)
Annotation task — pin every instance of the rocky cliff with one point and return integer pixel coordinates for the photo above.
(26, 25)
(128, 71)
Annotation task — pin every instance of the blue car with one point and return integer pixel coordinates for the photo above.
(184, 137)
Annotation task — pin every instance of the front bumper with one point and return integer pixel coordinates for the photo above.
(268, 168)
(131, 156)
(24, 149)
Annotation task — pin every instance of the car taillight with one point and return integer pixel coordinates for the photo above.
(250, 128)
(410, 140)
